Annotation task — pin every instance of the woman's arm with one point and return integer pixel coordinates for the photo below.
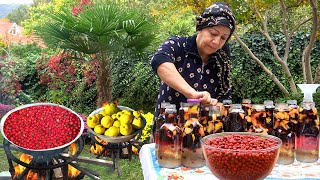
(169, 75)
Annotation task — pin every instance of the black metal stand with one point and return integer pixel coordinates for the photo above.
(45, 169)
(116, 149)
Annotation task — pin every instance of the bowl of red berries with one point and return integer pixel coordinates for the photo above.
(240, 155)
(42, 130)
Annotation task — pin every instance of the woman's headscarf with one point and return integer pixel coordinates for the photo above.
(217, 14)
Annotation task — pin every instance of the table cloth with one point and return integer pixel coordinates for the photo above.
(152, 170)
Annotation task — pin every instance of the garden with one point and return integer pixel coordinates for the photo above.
(92, 52)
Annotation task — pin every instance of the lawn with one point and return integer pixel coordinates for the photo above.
(130, 169)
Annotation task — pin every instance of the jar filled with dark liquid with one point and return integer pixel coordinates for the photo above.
(183, 114)
(293, 114)
(225, 108)
(217, 122)
(192, 155)
(247, 108)
(169, 153)
(258, 119)
(269, 107)
(235, 122)
(283, 130)
(307, 136)
(158, 122)
(205, 118)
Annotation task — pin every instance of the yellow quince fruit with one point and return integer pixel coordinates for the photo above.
(110, 109)
(107, 121)
(99, 129)
(116, 123)
(137, 123)
(92, 121)
(126, 129)
(112, 131)
(136, 114)
(125, 118)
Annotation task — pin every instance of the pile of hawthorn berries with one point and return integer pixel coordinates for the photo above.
(41, 127)
(241, 156)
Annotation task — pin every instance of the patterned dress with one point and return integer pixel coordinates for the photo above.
(214, 76)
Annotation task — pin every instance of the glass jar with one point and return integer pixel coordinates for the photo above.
(269, 108)
(169, 153)
(158, 122)
(293, 114)
(307, 136)
(225, 108)
(183, 114)
(205, 117)
(235, 122)
(283, 130)
(192, 155)
(217, 122)
(247, 108)
(258, 119)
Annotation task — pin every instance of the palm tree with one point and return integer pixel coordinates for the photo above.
(100, 30)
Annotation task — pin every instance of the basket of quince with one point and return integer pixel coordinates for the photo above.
(115, 124)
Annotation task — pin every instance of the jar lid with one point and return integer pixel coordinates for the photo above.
(227, 102)
(246, 100)
(292, 102)
(307, 105)
(268, 104)
(259, 107)
(170, 111)
(281, 107)
(237, 108)
(171, 106)
(164, 104)
(193, 100)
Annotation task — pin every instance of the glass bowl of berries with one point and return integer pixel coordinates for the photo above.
(240, 155)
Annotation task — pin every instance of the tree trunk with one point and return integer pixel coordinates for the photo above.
(103, 80)
(317, 75)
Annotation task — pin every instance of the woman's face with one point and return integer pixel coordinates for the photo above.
(211, 39)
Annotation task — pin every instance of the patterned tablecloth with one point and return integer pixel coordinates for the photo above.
(152, 170)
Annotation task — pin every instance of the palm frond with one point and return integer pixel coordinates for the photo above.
(98, 28)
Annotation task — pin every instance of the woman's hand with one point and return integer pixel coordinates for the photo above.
(205, 98)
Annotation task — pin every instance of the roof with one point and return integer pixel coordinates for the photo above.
(10, 32)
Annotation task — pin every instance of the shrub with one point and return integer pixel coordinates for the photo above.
(9, 81)
(134, 82)
(4, 109)
(65, 80)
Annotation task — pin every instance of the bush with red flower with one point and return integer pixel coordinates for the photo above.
(68, 80)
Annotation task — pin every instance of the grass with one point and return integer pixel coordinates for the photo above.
(130, 169)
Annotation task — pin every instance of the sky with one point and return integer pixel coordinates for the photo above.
(16, 1)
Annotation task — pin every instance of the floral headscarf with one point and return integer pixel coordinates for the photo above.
(217, 14)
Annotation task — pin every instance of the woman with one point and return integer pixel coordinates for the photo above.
(197, 67)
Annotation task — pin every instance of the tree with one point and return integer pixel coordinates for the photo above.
(100, 30)
(263, 11)
(39, 10)
(19, 14)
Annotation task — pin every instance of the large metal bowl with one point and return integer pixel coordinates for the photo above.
(41, 154)
(117, 139)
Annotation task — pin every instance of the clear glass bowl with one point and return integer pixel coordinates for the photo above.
(235, 164)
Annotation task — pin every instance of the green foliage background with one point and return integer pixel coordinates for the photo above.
(250, 81)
